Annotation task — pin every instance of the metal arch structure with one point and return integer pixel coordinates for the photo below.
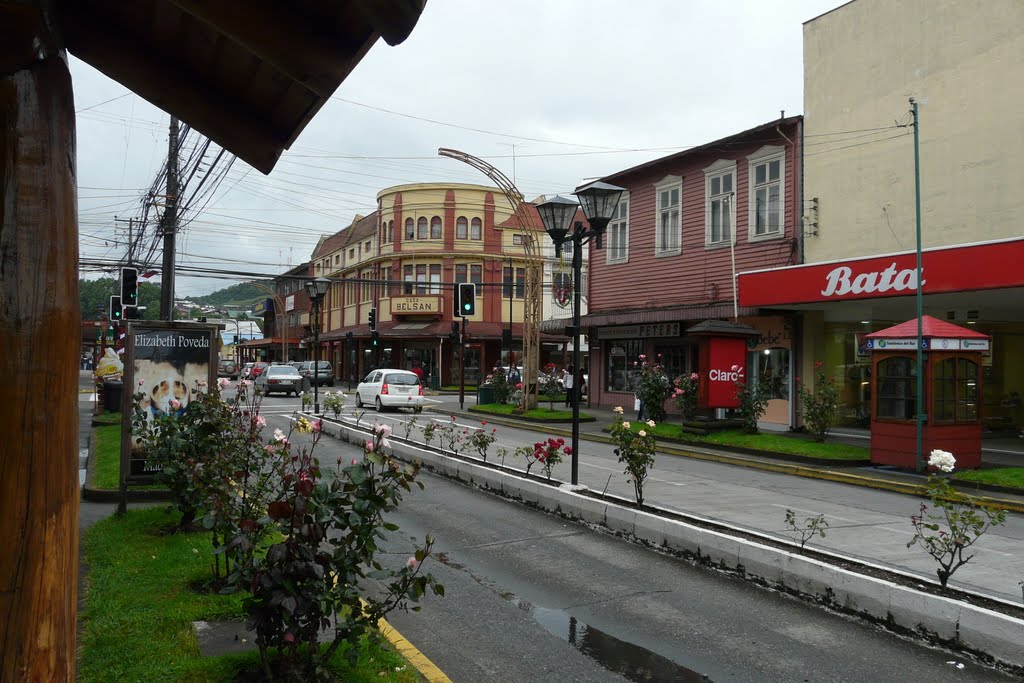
(532, 301)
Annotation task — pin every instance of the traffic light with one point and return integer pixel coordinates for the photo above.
(465, 299)
(454, 334)
(374, 338)
(373, 319)
(129, 286)
(350, 338)
(116, 311)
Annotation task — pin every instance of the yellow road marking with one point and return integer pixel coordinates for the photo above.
(419, 660)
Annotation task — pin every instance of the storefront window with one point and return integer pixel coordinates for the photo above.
(772, 370)
(673, 359)
(620, 370)
(897, 389)
(955, 387)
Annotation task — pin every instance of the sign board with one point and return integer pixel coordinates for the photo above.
(897, 344)
(165, 366)
(724, 358)
(289, 303)
(405, 305)
(991, 265)
(642, 331)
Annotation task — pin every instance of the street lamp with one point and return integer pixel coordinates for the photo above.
(316, 290)
(598, 201)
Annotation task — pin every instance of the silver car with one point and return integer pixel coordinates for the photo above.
(390, 389)
(282, 379)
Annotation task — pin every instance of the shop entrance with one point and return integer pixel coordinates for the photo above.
(426, 356)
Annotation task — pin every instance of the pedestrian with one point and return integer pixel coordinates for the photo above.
(638, 403)
(417, 369)
(567, 384)
(514, 377)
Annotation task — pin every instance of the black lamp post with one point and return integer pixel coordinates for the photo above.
(598, 201)
(316, 290)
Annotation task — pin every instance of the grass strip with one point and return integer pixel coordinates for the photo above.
(106, 469)
(510, 409)
(107, 418)
(139, 609)
(765, 441)
(1000, 476)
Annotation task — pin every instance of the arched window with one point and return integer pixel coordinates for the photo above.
(955, 390)
(410, 229)
(461, 228)
(391, 231)
(474, 229)
(897, 388)
(435, 228)
(421, 228)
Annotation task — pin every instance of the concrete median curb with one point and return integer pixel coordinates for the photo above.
(988, 634)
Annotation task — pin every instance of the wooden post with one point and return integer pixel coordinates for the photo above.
(39, 335)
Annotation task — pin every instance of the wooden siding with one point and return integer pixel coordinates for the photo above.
(699, 275)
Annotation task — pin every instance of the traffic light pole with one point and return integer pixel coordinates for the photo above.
(462, 366)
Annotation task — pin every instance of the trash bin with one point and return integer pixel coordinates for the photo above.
(435, 381)
(112, 395)
(484, 394)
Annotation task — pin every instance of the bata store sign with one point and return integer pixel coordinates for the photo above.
(722, 365)
(992, 265)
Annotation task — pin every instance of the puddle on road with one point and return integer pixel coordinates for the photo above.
(632, 661)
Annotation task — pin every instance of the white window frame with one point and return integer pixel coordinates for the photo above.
(617, 234)
(720, 169)
(766, 155)
(668, 183)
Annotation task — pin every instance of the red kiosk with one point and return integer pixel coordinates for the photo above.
(723, 358)
(952, 392)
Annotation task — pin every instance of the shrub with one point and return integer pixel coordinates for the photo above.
(499, 382)
(819, 408)
(753, 402)
(636, 450)
(329, 529)
(953, 523)
(802, 533)
(685, 394)
(549, 453)
(552, 392)
(481, 439)
(652, 387)
(334, 402)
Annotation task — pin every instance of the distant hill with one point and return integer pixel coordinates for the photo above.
(242, 294)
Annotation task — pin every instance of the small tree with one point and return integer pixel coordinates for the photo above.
(953, 523)
(811, 526)
(819, 407)
(636, 449)
(684, 395)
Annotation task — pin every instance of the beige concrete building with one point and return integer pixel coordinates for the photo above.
(964, 63)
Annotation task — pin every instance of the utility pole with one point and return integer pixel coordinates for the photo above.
(170, 225)
(920, 417)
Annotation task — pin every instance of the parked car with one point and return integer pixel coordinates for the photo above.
(227, 368)
(257, 370)
(324, 372)
(246, 369)
(390, 389)
(282, 379)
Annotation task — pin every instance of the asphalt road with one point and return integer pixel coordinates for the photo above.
(532, 597)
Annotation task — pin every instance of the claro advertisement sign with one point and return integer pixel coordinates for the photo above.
(724, 358)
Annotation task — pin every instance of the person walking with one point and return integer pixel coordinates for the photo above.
(567, 384)
(417, 369)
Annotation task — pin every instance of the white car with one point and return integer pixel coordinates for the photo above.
(390, 389)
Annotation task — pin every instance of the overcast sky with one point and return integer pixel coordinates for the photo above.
(552, 92)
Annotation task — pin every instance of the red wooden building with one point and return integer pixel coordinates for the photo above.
(685, 226)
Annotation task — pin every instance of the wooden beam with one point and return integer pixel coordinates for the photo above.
(306, 48)
(40, 337)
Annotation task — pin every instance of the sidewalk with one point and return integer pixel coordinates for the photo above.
(869, 521)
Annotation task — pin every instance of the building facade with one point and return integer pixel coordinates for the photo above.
(685, 226)
(862, 61)
(285, 313)
(403, 261)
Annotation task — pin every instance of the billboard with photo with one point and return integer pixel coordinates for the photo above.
(165, 366)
